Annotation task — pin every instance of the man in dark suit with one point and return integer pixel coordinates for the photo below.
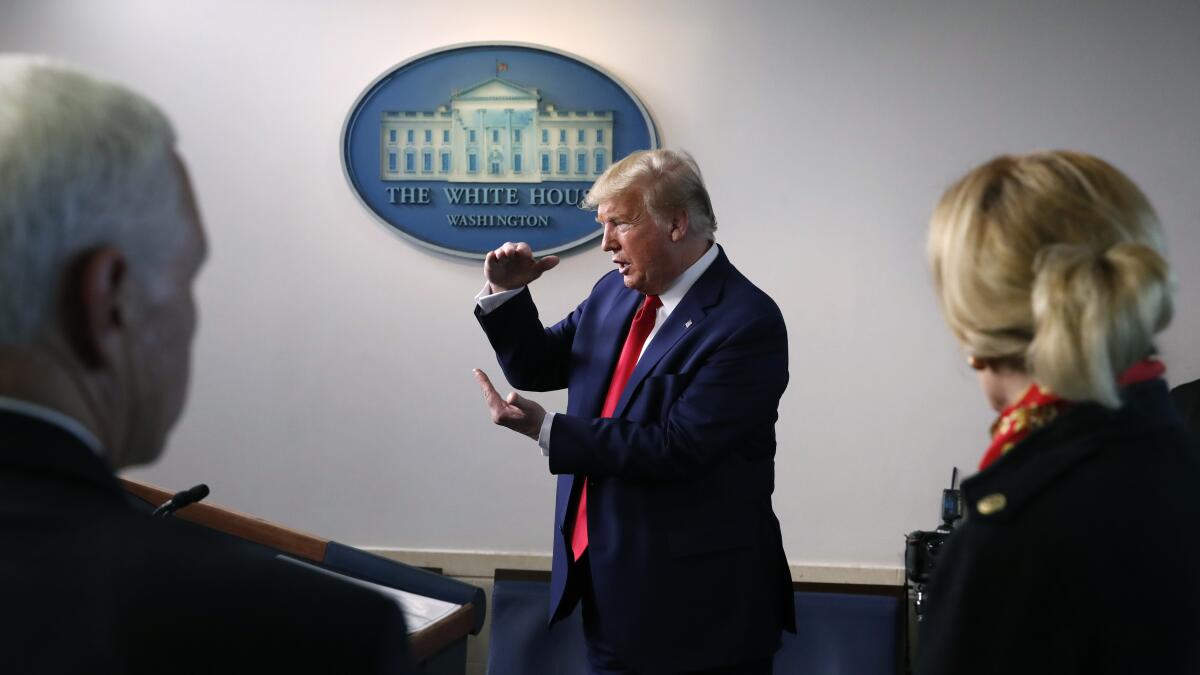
(100, 241)
(1187, 400)
(674, 366)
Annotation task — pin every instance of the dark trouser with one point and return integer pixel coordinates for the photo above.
(603, 661)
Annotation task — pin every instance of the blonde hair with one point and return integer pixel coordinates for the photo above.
(669, 181)
(1054, 261)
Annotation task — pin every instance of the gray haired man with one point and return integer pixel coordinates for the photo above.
(100, 242)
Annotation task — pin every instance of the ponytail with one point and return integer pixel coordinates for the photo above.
(1095, 314)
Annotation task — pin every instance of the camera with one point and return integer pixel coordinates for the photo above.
(921, 553)
(922, 548)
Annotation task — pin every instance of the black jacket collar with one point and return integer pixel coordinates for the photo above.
(30, 445)
(1000, 491)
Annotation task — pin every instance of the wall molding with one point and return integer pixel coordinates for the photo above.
(483, 564)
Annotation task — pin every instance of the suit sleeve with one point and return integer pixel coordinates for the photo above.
(727, 405)
(532, 357)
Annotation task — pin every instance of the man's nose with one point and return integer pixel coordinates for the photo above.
(608, 243)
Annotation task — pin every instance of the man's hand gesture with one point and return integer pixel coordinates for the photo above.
(512, 266)
(515, 412)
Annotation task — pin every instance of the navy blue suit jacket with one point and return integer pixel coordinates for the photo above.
(89, 584)
(686, 556)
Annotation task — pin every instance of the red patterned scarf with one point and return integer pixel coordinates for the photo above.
(1038, 407)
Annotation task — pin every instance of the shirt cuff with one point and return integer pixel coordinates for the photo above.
(544, 434)
(490, 301)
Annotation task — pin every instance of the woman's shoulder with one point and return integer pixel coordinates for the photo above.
(1095, 479)
(1056, 528)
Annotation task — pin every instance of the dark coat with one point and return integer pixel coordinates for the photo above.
(685, 550)
(1080, 553)
(88, 584)
(1187, 400)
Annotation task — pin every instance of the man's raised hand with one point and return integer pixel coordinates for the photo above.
(512, 266)
(515, 412)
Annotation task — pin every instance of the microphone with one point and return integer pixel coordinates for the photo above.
(182, 499)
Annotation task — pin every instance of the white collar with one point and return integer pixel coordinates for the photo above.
(684, 282)
(55, 418)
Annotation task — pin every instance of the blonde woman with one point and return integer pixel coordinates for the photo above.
(1081, 549)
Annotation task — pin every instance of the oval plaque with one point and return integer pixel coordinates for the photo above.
(464, 148)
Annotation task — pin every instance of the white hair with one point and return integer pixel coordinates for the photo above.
(83, 164)
(669, 181)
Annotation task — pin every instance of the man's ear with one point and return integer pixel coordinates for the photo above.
(96, 306)
(679, 225)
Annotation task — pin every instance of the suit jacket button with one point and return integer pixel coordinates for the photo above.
(993, 503)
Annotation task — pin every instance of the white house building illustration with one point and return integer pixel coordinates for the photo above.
(495, 132)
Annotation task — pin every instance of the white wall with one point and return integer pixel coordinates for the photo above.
(333, 389)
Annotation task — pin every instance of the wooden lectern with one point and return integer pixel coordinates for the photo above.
(438, 648)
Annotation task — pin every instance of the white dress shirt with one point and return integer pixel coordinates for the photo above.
(671, 297)
(55, 418)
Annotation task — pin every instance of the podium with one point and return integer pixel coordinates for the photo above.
(437, 641)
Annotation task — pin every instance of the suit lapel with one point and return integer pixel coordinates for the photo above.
(610, 338)
(686, 317)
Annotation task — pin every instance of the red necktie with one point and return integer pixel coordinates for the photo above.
(639, 330)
